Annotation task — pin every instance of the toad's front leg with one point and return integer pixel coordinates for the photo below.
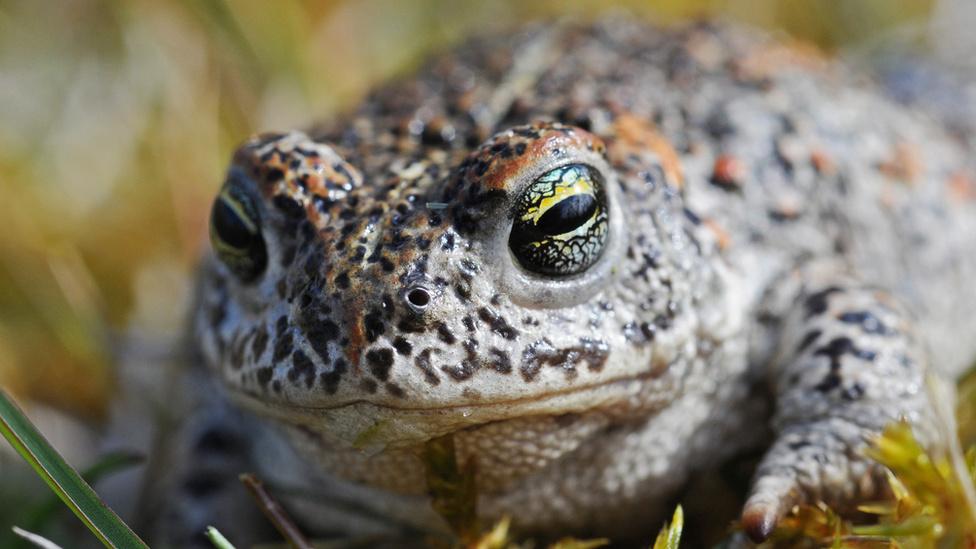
(848, 364)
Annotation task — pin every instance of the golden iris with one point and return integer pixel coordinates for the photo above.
(561, 221)
(235, 232)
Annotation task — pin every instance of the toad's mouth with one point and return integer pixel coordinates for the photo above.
(362, 424)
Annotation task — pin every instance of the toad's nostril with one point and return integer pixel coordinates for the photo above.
(418, 298)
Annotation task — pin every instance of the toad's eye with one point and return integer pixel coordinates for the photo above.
(561, 222)
(235, 232)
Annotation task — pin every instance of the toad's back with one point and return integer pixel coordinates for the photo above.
(596, 255)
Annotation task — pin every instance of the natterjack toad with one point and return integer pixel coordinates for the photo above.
(606, 258)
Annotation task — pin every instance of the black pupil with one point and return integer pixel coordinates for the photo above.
(229, 225)
(567, 215)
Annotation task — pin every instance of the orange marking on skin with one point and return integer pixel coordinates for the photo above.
(823, 162)
(552, 143)
(961, 187)
(356, 337)
(634, 135)
(765, 61)
(502, 170)
(722, 237)
(905, 163)
(729, 171)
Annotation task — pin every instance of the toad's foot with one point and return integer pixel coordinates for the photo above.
(848, 365)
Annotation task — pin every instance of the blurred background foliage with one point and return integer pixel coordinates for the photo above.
(117, 118)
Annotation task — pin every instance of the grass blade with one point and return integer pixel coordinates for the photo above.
(65, 482)
(218, 539)
(38, 541)
(38, 516)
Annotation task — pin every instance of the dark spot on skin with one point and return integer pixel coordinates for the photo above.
(444, 334)
(370, 386)
(463, 291)
(854, 392)
(203, 484)
(312, 262)
(499, 361)
(837, 348)
(302, 367)
(280, 288)
(379, 362)
(288, 256)
(276, 385)
(281, 325)
(414, 325)
(831, 381)
(799, 444)
(218, 441)
(321, 203)
(274, 175)
(319, 335)
(342, 281)
(447, 242)
(648, 331)
(467, 268)
(264, 375)
(288, 206)
(781, 216)
(330, 380)
(468, 323)
(373, 325)
(594, 353)
(395, 390)
(695, 220)
(632, 333)
(542, 353)
(650, 260)
(461, 371)
(481, 167)
(468, 366)
(260, 342)
(868, 322)
(283, 347)
(398, 241)
(816, 304)
(423, 362)
(808, 340)
(497, 324)
(402, 346)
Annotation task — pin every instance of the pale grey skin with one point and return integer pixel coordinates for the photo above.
(789, 252)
